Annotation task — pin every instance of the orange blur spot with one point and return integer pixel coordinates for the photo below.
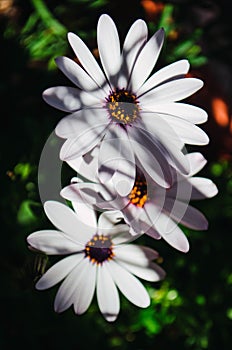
(5, 5)
(220, 111)
(152, 8)
(96, 53)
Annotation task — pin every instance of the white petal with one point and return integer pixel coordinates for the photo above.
(129, 285)
(95, 194)
(63, 98)
(124, 237)
(66, 220)
(78, 76)
(187, 131)
(185, 214)
(78, 123)
(69, 99)
(160, 130)
(88, 61)
(87, 165)
(197, 162)
(135, 254)
(191, 113)
(137, 219)
(202, 188)
(65, 296)
(134, 41)
(116, 160)
(157, 126)
(151, 273)
(173, 70)
(85, 288)
(59, 271)
(83, 142)
(86, 213)
(176, 238)
(109, 219)
(152, 232)
(168, 229)
(109, 224)
(107, 294)
(53, 242)
(117, 230)
(181, 190)
(111, 200)
(88, 193)
(151, 157)
(172, 91)
(194, 188)
(146, 60)
(109, 48)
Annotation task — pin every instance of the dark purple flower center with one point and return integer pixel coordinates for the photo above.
(122, 106)
(99, 249)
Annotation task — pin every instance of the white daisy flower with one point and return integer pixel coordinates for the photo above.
(99, 258)
(121, 103)
(149, 208)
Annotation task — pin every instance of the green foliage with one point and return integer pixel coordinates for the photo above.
(43, 35)
(190, 50)
(179, 48)
(161, 312)
(26, 215)
(23, 170)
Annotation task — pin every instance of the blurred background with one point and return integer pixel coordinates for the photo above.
(192, 307)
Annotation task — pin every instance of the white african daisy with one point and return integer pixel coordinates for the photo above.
(148, 208)
(98, 257)
(121, 103)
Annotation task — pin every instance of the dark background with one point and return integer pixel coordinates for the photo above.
(192, 307)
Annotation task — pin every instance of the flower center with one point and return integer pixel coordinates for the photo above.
(99, 249)
(138, 195)
(122, 106)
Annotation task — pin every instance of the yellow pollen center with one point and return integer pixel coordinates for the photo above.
(123, 106)
(138, 195)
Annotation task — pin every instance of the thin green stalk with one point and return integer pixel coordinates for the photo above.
(47, 17)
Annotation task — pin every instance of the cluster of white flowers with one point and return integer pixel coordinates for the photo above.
(125, 136)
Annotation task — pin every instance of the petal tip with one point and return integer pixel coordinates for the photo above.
(186, 248)
(70, 35)
(45, 94)
(110, 318)
(105, 16)
(205, 225)
(161, 30)
(39, 286)
(215, 190)
(146, 303)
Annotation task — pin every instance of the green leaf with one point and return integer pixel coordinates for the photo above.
(25, 214)
(23, 170)
(98, 3)
(166, 21)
